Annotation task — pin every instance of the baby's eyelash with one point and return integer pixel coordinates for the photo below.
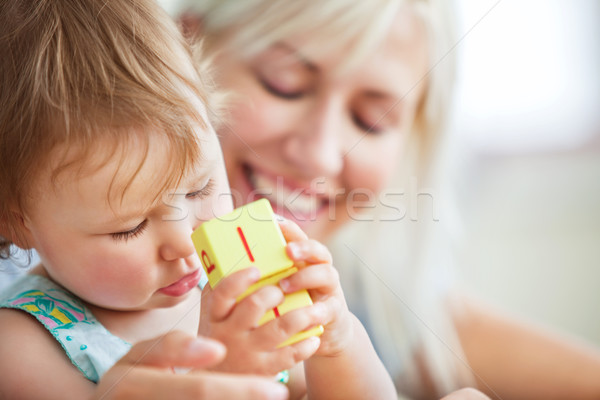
(204, 192)
(138, 230)
(132, 233)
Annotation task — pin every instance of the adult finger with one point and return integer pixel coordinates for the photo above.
(466, 394)
(154, 384)
(175, 349)
(220, 386)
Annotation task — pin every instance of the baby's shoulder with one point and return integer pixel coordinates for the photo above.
(22, 337)
(21, 327)
(33, 362)
(11, 320)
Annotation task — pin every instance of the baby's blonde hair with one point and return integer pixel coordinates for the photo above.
(75, 73)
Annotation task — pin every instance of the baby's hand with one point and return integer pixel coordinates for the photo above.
(317, 274)
(252, 348)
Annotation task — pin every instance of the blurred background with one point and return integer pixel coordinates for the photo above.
(526, 159)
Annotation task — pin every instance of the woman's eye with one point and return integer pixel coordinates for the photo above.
(284, 94)
(366, 126)
(202, 193)
(132, 233)
(283, 72)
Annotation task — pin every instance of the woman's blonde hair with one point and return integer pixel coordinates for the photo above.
(249, 26)
(74, 73)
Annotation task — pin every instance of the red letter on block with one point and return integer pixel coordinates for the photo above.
(207, 264)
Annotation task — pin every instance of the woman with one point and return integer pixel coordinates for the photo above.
(336, 107)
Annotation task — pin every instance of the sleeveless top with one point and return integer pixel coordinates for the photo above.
(87, 343)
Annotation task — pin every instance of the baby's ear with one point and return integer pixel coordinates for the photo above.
(14, 229)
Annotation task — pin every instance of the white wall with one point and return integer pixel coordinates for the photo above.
(527, 174)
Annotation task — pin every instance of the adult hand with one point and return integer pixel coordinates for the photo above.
(146, 372)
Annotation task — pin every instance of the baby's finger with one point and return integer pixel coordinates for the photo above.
(223, 297)
(309, 251)
(299, 351)
(282, 328)
(291, 231)
(249, 311)
(323, 277)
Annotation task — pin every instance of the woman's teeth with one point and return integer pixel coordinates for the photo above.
(293, 200)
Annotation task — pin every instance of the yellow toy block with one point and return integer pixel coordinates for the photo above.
(248, 236)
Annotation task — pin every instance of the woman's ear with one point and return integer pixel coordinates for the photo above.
(191, 25)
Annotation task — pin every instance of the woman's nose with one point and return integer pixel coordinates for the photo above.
(316, 147)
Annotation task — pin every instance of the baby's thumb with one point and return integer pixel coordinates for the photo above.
(175, 349)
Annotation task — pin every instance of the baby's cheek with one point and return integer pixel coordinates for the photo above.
(120, 282)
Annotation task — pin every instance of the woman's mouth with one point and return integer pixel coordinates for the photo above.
(302, 204)
(183, 285)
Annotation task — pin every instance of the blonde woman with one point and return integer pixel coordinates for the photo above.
(337, 113)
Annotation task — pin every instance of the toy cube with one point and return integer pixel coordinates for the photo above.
(248, 236)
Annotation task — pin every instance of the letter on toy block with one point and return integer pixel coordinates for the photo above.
(247, 236)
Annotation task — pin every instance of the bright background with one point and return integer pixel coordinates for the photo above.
(527, 159)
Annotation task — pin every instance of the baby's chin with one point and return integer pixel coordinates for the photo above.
(154, 302)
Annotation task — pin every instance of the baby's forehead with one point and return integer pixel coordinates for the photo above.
(141, 167)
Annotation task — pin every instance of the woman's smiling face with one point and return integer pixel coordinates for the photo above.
(312, 137)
